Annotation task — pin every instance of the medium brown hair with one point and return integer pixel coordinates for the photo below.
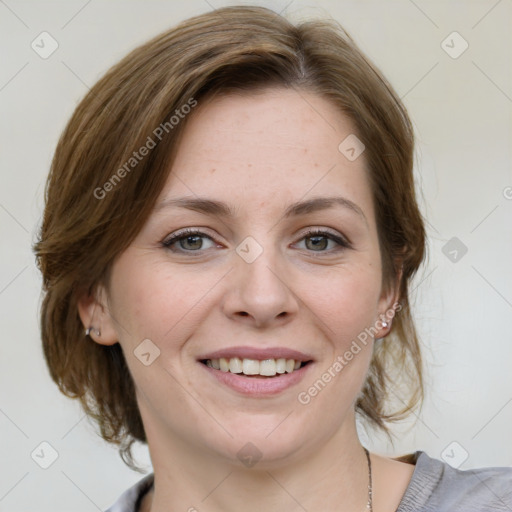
(91, 215)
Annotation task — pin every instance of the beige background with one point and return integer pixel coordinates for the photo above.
(461, 108)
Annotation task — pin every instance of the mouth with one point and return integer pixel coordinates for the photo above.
(256, 372)
(266, 368)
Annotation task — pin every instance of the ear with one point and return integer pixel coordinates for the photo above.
(95, 314)
(388, 303)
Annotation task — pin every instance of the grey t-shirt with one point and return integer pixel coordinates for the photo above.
(434, 487)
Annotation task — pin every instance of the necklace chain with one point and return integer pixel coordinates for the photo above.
(369, 505)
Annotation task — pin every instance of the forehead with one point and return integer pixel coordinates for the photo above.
(285, 118)
(270, 145)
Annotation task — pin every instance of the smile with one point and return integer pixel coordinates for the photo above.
(253, 367)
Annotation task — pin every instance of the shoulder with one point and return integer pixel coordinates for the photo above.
(130, 499)
(437, 486)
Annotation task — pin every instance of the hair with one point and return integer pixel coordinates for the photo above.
(99, 193)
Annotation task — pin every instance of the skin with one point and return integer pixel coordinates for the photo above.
(258, 152)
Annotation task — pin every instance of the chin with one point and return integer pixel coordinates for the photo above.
(266, 441)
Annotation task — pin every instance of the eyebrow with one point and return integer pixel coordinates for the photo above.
(223, 210)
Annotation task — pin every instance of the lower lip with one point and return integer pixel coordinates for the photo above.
(258, 387)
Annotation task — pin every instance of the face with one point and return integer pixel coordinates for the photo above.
(265, 273)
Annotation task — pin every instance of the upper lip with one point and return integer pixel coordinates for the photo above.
(258, 353)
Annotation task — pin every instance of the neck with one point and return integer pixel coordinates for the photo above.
(333, 476)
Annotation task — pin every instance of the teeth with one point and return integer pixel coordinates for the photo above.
(250, 367)
(281, 365)
(235, 365)
(267, 367)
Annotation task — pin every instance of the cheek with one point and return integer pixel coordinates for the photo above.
(140, 294)
(151, 299)
(345, 300)
(347, 305)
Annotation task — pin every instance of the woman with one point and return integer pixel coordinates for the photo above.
(229, 235)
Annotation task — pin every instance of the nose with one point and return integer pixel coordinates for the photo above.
(260, 293)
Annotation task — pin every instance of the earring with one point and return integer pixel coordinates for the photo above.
(89, 329)
(384, 324)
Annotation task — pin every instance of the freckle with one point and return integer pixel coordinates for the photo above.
(213, 170)
(250, 165)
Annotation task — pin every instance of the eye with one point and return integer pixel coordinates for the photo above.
(188, 240)
(192, 241)
(319, 241)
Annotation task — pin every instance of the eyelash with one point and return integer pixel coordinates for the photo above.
(181, 235)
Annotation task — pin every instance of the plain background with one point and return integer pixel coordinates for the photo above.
(461, 108)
